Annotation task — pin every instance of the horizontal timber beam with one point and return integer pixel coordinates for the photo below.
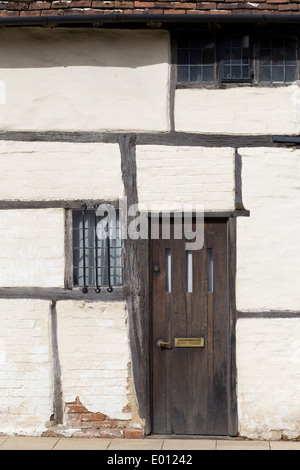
(151, 138)
(56, 294)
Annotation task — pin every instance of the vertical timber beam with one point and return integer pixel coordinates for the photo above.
(238, 181)
(136, 286)
(57, 385)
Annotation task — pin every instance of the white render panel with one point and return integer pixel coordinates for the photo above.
(94, 355)
(240, 110)
(268, 367)
(86, 80)
(56, 170)
(32, 248)
(26, 394)
(268, 242)
(168, 176)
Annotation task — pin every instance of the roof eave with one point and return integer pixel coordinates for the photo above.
(148, 18)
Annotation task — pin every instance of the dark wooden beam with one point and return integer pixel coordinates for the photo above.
(56, 294)
(136, 287)
(142, 138)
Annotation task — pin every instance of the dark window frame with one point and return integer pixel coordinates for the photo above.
(259, 59)
(254, 38)
(220, 49)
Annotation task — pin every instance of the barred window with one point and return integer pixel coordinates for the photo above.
(97, 249)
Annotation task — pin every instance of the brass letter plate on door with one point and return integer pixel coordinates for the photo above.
(189, 342)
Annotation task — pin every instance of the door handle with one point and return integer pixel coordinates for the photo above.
(162, 344)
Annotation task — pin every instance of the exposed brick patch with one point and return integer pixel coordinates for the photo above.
(90, 424)
(133, 433)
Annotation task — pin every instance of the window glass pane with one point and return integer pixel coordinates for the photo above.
(277, 74)
(195, 56)
(227, 72)
(265, 74)
(290, 56)
(265, 56)
(236, 56)
(226, 56)
(245, 72)
(195, 74)
(245, 42)
(277, 56)
(208, 56)
(189, 270)
(183, 56)
(290, 74)
(208, 73)
(168, 268)
(207, 43)
(183, 74)
(236, 72)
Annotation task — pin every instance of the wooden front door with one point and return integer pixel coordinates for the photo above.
(191, 314)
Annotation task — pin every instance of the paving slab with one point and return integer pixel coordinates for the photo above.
(189, 444)
(135, 444)
(285, 445)
(242, 445)
(77, 443)
(3, 439)
(29, 443)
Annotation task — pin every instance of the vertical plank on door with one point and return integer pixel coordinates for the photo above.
(159, 385)
(220, 329)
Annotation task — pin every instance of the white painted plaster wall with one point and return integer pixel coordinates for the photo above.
(241, 110)
(268, 365)
(168, 176)
(94, 355)
(26, 395)
(268, 242)
(56, 170)
(32, 248)
(86, 80)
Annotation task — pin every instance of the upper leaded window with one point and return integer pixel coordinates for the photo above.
(236, 65)
(196, 58)
(278, 60)
(207, 58)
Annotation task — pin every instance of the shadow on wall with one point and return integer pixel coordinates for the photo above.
(61, 47)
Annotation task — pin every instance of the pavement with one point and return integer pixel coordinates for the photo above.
(147, 444)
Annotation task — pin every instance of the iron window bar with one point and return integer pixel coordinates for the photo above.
(97, 288)
(110, 289)
(85, 288)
